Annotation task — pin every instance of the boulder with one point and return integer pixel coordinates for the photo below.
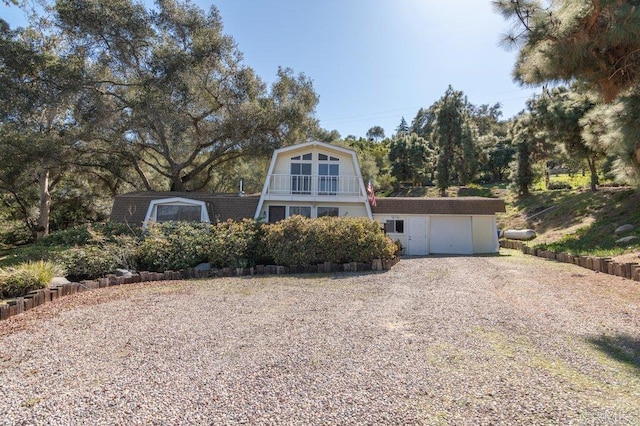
(56, 281)
(123, 273)
(624, 229)
(627, 240)
(203, 267)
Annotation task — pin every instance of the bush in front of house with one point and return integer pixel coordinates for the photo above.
(235, 244)
(301, 241)
(93, 261)
(172, 246)
(91, 234)
(18, 280)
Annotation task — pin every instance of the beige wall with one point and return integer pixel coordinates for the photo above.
(485, 234)
(282, 167)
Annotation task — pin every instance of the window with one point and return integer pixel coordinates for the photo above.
(328, 178)
(394, 226)
(301, 174)
(325, 157)
(328, 172)
(167, 212)
(300, 210)
(305, 157)
(177, 208)
(328, 211)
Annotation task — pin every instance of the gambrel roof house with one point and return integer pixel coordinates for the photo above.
(316, 179)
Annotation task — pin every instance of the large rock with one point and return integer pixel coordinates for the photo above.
(56, 281)
(627, 240)
(203, 267)
(624, 229)
(123, 273)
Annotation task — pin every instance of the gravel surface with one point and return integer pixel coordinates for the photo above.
(507, 339)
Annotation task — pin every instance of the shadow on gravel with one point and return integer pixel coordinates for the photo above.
(623, 348)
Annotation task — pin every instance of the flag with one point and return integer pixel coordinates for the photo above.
(370, 194)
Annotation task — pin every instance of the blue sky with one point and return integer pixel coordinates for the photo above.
(374, 61)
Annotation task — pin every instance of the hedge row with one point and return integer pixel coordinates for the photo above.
(90, 252)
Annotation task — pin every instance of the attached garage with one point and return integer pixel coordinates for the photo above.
(463, 225)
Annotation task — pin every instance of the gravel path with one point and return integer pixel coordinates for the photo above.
(483, 340)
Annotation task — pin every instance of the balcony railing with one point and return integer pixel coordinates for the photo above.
(314, 185)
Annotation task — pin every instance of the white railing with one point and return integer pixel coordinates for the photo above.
(314, 185)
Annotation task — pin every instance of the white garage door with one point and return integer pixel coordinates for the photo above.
(450, 235)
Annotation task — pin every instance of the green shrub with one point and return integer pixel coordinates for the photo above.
(234, 244)
(94, 261)
(17, 281)
(91, 234)
(174, 246)
(301, 241)
(558, 185)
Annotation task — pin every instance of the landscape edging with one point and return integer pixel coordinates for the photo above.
(606, 265)
(39, 297)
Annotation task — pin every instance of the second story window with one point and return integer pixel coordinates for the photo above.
(301, 174)
(328, 172)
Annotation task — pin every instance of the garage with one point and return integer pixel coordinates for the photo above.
(449, 226)
(450, 235)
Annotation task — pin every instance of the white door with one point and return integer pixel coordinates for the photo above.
(417, 237)
(450, 235)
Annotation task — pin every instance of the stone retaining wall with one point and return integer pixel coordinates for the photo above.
(42, 296)
(600, 264)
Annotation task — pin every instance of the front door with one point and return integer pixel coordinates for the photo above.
(417, 236)
(277, 213)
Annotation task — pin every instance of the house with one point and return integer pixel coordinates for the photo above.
(316, 179)
(313, 179)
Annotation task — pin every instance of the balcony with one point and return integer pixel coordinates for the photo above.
(313, 186)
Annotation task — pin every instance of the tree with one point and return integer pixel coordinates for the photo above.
(593, 42)
(411, 159)
(561, 111)
(403, 127)
(523, 135)
(170, 97)
(376, 134)
(37, 124)
(453, 136)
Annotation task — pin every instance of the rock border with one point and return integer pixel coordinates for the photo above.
(39, 297)
(606, 265)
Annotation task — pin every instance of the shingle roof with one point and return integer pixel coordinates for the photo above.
(454, 205)
(132, 207)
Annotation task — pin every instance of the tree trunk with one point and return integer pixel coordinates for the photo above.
(45, 204)
(594, 173)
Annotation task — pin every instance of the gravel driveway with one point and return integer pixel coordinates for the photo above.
(507, 339)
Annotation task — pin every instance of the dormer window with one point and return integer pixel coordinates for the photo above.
(176, 209)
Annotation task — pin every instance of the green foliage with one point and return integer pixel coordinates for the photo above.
(174, 246)
(454, 135)
(92, 261)
(90, 234)
(558, 185)
(301, 241)
(411, 159)
(234, 243)
(19, 280)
